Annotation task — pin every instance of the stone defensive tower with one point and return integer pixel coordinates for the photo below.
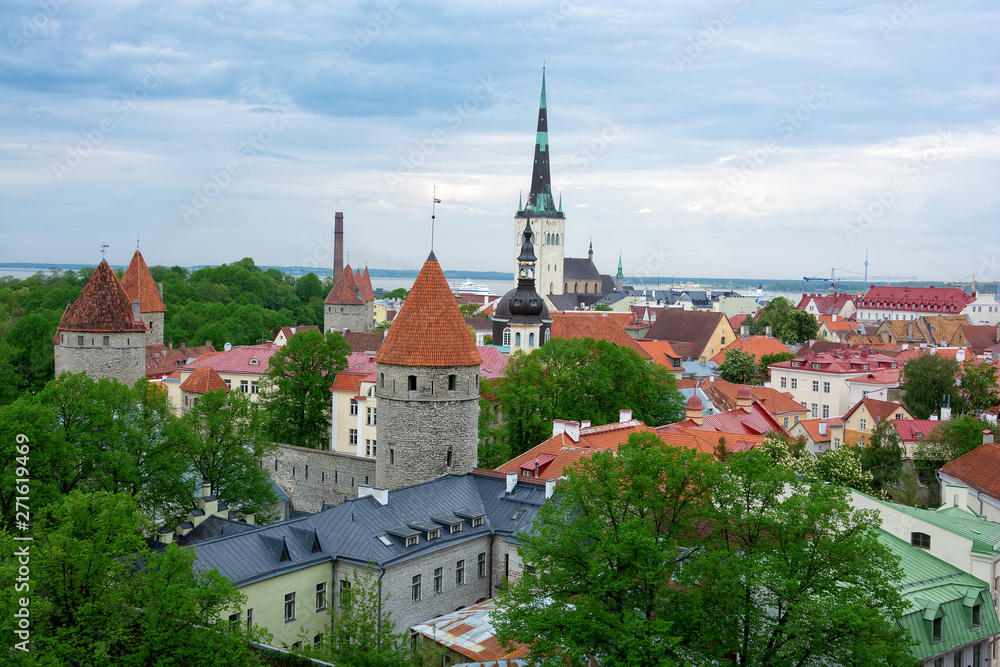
(350, 303)
(101, 333)
(138, 285)
(427, 383)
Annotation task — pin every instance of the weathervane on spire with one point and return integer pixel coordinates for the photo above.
(434, 202)
(104, 251)
(137, 243)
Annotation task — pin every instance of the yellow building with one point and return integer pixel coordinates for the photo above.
(860, 420)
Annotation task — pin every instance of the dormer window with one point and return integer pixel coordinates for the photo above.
(412, 541)
(937, 629)
(478, 521)
(455, 528)
(254, 362)
(433, 534)
(921, 540)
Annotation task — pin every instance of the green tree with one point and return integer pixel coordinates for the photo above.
(471, 309)
(768, 359)
(360, 632)
(787, 324)
(602, 556)
(581, 379)
(32, 352)
(91, 605)
(602, 307)
(382, 326)
(949, 440)
(883, 456)
(739, 367)
(930, 381)
(979, 385)
(223, 440)
(778, 581)
(841, 466)
(398, 293)
(297, 391)
(309, 287)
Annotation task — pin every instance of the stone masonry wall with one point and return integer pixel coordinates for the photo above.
(398, 579)
(154, 327)
(356, 318)
(123, 358)
(417, 428)
(312, 477)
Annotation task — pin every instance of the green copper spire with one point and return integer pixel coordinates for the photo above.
(560, 201)
(540, 201)
(620, 276)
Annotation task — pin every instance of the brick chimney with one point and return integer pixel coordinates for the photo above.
(338, 244)
(692, 410)
(744, 398)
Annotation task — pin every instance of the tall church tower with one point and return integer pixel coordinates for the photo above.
(521, 320)
(547, 216)
(427, 383)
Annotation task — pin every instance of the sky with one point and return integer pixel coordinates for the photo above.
(712, 138)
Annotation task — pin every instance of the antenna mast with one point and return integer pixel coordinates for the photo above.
(434, 202)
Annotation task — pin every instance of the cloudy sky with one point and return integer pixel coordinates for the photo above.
(717, 138)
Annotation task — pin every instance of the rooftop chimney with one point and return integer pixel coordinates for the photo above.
(364, 490)
(988, 436)
(136, 316)
(381, 494)
(822, 428)
(624, 416)
(511, 481)
(573, 431)
(558, 426)
(960, 355)
(834, 317)
(206, 489)
(745, 332)
(585, 423)
(550, 488)
(693, 409)
(767, 331)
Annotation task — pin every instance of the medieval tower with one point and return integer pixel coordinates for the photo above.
(427, 383)
(350, 305)
(101, 333)
(546, 215)
(138, 285)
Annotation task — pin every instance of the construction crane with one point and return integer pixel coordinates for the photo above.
(857, 278)
(974, 283)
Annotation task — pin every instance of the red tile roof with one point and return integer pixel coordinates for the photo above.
(981, 337)
(429, 329)
(839, 324)
(779, 403)
(915, 299)
(599, 326)
(914, 430)
(161, 360)
(756, 421)
(879, 410)
(755, 345)
(204, 380)
(494, 362)
(661, 351)
(826, 304)
(736, 321)
(812, 428)
(841, 361)
(246, 359)
(138, 283)
(980, 469)
(364, 341)
(346, 291)
(708, 441)
(102, 306)
(881, 376)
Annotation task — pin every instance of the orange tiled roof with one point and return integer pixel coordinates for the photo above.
(161, 360)
(102, 306)
(138, 283)
(707, 441)
(877, 409)
(661, 351)
(429, 329)
(979, 468)
(755, 345)
(838, 324)
(597, 326)
(204, 380)
(779, 403)
(364, 341)
(812, 428)
(346, 291)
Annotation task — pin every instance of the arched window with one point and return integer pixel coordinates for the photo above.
(576, 288)
(506, 337)
(517, 339)
(548, 333)
(531, 339)
(586, 287)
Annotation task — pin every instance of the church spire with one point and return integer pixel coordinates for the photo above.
(540, 198)
(620, 278)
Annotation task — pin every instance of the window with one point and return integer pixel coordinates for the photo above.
(826, 411)
(345, 586)
(460, 573)
(318, 639)
(977, 654)
(783, 381)
(250, 618)
(370, 416)
(433, 534)
(107, 340)
(392, 456)
(836, 443)
(321, 596)
(506, 337)
(289, 607)
(795, 383)
(245, 386)
(815, 385)
(79, 340)
(353, 438)
(784, 422)
(977, 615)
(922, 540)
(937, 629)
(517, 339)
(455, 528)
(452, 382)
(481, 565)
(415, 588)
(229, 384)
(354, 407)
(814, 411)
(531, 339)
(438, 580)
(449, 456)
(863, 424)
(370, 448)
(826, 387)
(478, 521)
(412, 540)
(958, 657)
(253, 386)
(412, 382)
(938, 662)
(234, 618)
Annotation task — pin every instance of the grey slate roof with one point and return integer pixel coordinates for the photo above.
(580, 268)
(214, 526)
(351, 531)
(573, 301)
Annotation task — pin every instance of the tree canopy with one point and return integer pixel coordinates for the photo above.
(930, 382)
(297, 388)
(581, 379)
(979, 385)
(789, 325)
(949, 440)
(739, 367)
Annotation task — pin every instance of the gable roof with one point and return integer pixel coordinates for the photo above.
(979, 469)
(245, 359)
(162, 360)
(364, 341)
(288, 332)
(879, 410)
(936, 300)
(102, 306)
(778, 403)
(138, 283)
(981, 337)
(429, 329)
(826, 304)
(914, 430)
(690, 326)
(203, 380)
(661, 351)
(811, 427)
(946, 328)
(596, 326)
(755, 345)
(579, 268)
(755, 421)
(346, 291)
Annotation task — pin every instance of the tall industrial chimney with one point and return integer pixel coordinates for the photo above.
(338, 245)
